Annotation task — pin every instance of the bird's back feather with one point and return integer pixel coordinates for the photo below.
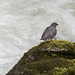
(49, 32)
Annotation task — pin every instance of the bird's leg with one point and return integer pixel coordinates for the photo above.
(49, 40)
(55, 38)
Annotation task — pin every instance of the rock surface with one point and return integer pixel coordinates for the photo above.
(48, 58)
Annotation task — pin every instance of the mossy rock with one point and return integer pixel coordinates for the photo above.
(48, 58)
(71, 71)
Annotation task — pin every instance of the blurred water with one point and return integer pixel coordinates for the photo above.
(22, 23)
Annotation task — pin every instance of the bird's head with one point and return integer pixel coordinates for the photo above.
(54, 24)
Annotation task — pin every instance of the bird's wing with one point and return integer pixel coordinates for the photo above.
(53, 33)
(45, 31)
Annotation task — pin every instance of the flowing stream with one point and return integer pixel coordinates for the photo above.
(22, 23)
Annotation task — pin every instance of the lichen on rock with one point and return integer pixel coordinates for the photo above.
(48, 58)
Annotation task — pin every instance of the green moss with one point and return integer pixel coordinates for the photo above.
(71, 72)
(58, 71)
(56, 65)
(61, 44)
(39, 62)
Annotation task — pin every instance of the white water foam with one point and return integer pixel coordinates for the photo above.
(22, 23)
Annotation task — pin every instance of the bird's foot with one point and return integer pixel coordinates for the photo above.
(55, 38)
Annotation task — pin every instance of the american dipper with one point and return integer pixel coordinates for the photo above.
(50, 32)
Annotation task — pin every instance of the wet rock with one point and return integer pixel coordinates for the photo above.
(48, 58)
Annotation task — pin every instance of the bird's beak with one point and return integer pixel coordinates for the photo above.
(57, 24)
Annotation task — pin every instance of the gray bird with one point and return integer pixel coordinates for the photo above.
(50, 32)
